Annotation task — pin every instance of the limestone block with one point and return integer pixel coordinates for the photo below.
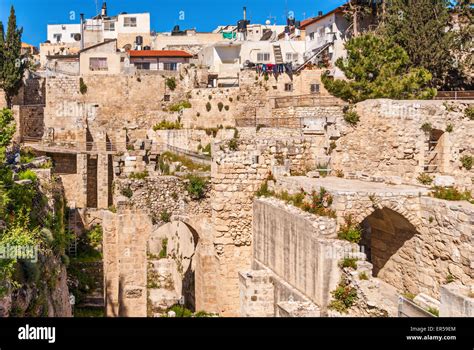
(444, 181)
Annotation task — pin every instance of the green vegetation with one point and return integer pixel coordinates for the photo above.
(164, 249)
(220, 106)
(450, 278)
(317, 203)
(363, 276)
(170, 157)
(351, 116)
(82, 86)
(171, 83)
(350, 231)
(166, 125)
(12, 62)
(344, 297)
(127, 192)
(208, 106)
(26, 156)
(88, 312)
(233, 144)
(433, 311)
(180, 106)
(181, 311)
(139, 176)
(376, 67)
(207, 149)
(466, 162)
(165, 216)
(449, 128)
(197, 187)
(27, 174)
(349, 263)
(409, 296)
(426, 127)
(469, 112)
(226, 107)
(425, 179)
(451, 194)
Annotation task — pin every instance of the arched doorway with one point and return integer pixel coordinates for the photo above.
(388, 240)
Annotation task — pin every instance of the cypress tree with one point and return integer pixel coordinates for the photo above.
(421, 27)
(13, 66)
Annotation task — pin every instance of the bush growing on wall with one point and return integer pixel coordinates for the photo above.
(171, 83)
(82, 86)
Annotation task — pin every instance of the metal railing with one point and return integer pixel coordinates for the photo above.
(310, 100)
(196, 157)
(407, 308)
(455, 95)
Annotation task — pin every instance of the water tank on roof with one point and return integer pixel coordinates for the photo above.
(147, 48)
(139, 40)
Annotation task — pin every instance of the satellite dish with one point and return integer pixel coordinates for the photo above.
(268, 22)
(77, 37)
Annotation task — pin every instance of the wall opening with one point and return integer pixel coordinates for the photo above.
(388, 240)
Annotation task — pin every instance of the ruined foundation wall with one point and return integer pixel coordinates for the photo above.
(388, 140)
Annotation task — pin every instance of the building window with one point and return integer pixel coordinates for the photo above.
(98, 64)
(263, 57)
(109, 26)
(57, 37)
(291, 57)
(288, 87)
(130, 22)
(142, 65)
(170, 66)
(315, 88)
(311, 36)
(167, 98)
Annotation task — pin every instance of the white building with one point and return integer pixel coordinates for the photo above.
(329, 29)
(64, 33)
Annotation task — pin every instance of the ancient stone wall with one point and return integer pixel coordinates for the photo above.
(125, 261)
(388, 141)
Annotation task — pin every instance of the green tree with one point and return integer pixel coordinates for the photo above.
(7, 130)
(12, 66)
(421, 28)
(376, 67)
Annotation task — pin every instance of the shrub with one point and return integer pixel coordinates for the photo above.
(127, 192)
(166, 125)
(220, 106)
(82, 87)
(344, 297)
(28, 174)
(139, 176)
(450, 194)
(426, 127)
(165, 216)
(450, 278)
(466, 162)
(196, 187)
(449, 128)
(363, 276)
(339, 173)
(233, 144)
(94, 237)
(207, 149)
(208, 106)
(231, 99)
(469, 112)
(171, 83)
(349, 263)
(226, 107)
(180, 106)
(351, 116)
(425, 179)
(26, 156)
(350, 231)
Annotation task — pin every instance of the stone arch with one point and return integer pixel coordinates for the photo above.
(389, 240)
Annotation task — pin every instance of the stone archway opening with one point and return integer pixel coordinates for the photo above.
(388, 239)
(171, 267)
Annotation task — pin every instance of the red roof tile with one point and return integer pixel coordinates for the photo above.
(159, 53)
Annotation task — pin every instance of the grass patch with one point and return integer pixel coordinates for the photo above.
(197, 187)
(166, 125)
(180, 106)
(451, 194)
(164, 249)
(28, 174)
(425, 179)
(169, 157)
(139, 176)
(466, 162)
(350, 231)
(349, 263)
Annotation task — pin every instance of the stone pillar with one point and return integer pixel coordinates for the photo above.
(257, 294)
(206, 284)
(81, 200)
(125, 263)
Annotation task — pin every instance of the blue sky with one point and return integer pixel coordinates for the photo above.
(204, 15)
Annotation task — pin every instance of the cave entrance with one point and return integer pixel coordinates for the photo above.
(388, 240)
